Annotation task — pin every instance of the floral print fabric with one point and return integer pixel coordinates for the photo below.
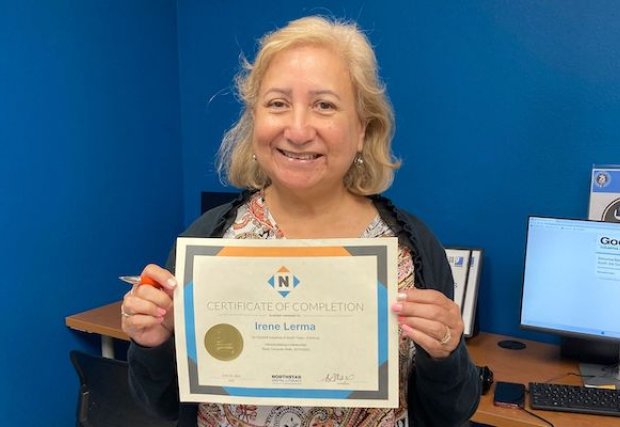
(254, 221)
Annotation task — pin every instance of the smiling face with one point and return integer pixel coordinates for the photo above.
(306, 127)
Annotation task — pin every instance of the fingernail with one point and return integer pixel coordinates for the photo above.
(161, 311)
(401, 296)
(396, 307)
(406, 328)
(172, 283)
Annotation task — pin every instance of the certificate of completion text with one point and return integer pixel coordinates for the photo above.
(287, 322)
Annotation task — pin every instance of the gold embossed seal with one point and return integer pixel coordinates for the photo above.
(224, 342)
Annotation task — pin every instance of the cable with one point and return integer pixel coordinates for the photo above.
(568, 374)
(539, 417)
(536, 415)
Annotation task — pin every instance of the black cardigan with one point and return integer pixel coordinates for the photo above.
(441, 393)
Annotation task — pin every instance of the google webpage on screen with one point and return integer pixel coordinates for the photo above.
(572, 276)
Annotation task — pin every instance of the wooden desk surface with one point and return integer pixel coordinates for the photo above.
(105, 320)
(537, 362)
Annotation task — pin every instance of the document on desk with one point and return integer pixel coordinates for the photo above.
(459, 264)
(287, 322)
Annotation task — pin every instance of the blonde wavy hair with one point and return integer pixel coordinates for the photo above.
(235, 157)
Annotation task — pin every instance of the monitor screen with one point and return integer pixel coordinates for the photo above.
(571, 278)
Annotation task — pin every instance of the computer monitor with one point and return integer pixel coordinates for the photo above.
(571, 280)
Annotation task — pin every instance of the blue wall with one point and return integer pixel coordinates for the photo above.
(90, 179)
(502, 108)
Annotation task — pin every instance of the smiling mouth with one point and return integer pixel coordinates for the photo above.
(299, 156)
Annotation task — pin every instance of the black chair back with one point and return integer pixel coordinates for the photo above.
(104, 398)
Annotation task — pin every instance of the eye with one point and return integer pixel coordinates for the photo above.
(325, 106)
(276, 104)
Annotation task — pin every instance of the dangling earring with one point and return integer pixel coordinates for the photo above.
(359, 161)
(254, 157)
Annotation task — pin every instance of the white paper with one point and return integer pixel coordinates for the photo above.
(287, 322)
(471, 292)
(605, 193)
(459, 263)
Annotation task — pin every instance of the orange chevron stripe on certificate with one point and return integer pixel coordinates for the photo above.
(270, 251)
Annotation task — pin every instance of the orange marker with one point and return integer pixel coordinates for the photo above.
(139, 280)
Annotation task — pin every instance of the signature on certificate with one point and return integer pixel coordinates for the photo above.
(336, 377)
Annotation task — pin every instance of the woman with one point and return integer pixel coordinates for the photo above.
(313, 148)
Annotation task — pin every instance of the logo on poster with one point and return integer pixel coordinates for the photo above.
(283, 281)
(456, 261)
(602, 179)
(612, 212)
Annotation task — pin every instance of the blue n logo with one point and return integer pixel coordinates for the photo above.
(283, 281)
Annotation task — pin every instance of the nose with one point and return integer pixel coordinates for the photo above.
(300, 130)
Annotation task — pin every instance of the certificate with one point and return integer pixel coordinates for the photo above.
(287, 322)
(459, 264)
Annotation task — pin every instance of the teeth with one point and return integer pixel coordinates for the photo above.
(300, 156)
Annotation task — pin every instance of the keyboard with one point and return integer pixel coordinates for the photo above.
(572, 398)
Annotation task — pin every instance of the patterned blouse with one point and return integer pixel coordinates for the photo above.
(254, 221)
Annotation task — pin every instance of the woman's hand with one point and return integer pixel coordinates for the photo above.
(430, 319)
(147, 310)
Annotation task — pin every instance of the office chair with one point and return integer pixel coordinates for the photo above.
(104, 398)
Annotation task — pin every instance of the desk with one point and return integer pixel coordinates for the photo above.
(105, 321)
(537, 362)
